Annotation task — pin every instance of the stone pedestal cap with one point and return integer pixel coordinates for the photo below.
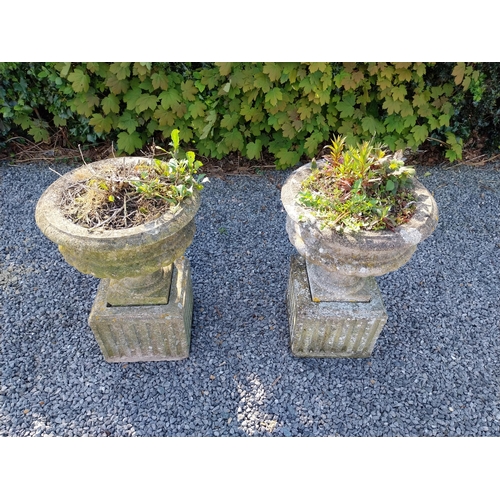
(119, 253)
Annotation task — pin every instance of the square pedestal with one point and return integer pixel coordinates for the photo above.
(146, 332)
(331, 329)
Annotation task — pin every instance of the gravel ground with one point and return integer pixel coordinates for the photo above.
(435, 370)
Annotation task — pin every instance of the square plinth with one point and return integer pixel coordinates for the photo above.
(146, 332)
(331, 329)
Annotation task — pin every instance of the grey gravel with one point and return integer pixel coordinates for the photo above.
(435, 370)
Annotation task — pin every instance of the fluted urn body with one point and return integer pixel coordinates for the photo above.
(119, 253)
(338, 263)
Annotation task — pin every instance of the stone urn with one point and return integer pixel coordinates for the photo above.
(334, 304)
(143, 307)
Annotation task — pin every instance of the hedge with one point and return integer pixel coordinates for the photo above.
(287, 109)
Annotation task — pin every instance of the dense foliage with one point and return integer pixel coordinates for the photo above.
(288, 109)
(359, 187)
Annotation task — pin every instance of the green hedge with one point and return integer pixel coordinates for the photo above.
(288, 109)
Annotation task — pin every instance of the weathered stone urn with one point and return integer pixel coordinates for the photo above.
(334, 304)
(143, 307)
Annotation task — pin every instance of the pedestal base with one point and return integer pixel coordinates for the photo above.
(331, 329)
(146, 332)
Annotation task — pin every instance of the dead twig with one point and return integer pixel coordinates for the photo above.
(106, 221)
(55, 172)
(81, 154)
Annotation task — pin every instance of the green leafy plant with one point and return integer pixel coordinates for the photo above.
(117, 199)
(360, 187)
(287, 109)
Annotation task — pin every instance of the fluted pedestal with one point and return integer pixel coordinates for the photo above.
(158, 332)
(331, 329)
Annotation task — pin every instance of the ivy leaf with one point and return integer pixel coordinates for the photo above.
(39, 134)
(437, 91)
(234, 140)
(210, 77)
(127, 122)
(273, 70)
(277, 120)
(141, 68)
(121, 70)
(383, 83)
(390, 140)
(419, 68)
(23, 120)
(180, 109)
(247, 111)
(444, 120)
(288, 130)
(186, 134)
(254, 149)
(229, 121)
(466, 83)
(169, 98)
(59, 122)
(147, 85)
(262, 82)
(64, 69)
(115, 85)
(311, 84)
(323, 96)
(398, 93)
(305, 111)
(164, 117)
(406, 108)
(101, 123)
(420, 133)
(311, 143)
(287, 158)
(370, 124)
(189, 90)
(159, 81)
(224, 68)
(455, 151)
(394, 123)
(210, 119)
(421, 99)
(131, 97)
(433, 123)
(110, 103)
(391, 105)
(197, 109)
(273, 96)
(404, 74)
(129, 142)
(145, 101)
(79, 80)
(317, 66)
(93, 67)
(459, 72)
(84, 103)
(409, 121)
(346, 105)
(386, 71)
